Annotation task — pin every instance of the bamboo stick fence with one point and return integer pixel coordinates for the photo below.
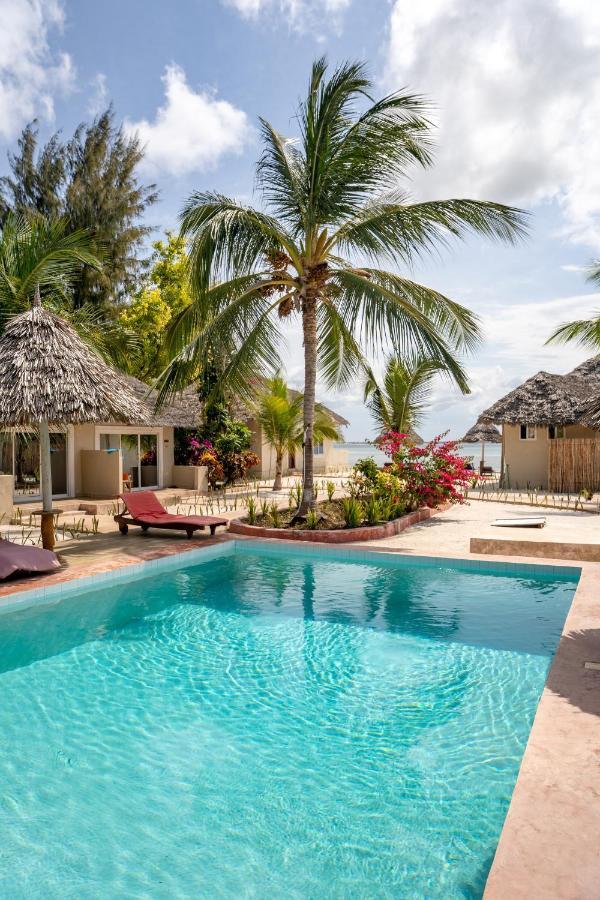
(574, 465)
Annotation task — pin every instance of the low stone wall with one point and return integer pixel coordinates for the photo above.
(191, 478)
(337, 535)
(539, 549)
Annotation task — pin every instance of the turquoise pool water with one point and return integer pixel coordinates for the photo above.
(270, 725)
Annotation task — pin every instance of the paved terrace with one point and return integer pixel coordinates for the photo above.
(549, 848)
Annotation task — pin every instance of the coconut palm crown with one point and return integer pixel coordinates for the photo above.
(332, 210)
(400, 401)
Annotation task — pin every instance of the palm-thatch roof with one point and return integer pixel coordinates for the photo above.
(339, 420)
(482, 432)
(185, 409)
(49, 374)
(590, 368)
(545, 399)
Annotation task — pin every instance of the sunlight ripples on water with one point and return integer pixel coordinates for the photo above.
(269, 726)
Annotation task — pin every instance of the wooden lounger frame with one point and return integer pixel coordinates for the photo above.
(124, 521)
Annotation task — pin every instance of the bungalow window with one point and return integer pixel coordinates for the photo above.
(556, 431)
(318, 448)
(527, 432)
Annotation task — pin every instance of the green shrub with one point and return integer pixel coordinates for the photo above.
(372, 509)
(298, 493)
(251, 511)
(330, 490)
(312, 519)
(368, 468)
(275, 515)
(264, 508)
(352, 511)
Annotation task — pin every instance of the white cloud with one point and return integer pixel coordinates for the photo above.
(571, 267)
(192, 130)
(516, 85)
(99, 98)
(30, 73)
(295, 13)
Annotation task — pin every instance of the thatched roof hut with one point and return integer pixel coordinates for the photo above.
(482, 433)
(49, 375)
(544, 399)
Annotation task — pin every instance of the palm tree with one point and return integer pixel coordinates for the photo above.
(332, 207)
(39, 252)
(279, 413)
(585, 331)
(400, 402)
(36, 251)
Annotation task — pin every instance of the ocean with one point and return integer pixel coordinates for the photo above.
(360, 449)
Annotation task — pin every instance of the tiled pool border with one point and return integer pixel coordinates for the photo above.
(548, 847)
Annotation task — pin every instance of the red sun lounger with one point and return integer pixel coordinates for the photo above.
(146, 510)
(17, 559)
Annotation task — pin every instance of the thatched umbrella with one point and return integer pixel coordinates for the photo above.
(483, 433)
(50, 376)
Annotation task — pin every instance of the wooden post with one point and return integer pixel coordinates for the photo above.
(46, 474)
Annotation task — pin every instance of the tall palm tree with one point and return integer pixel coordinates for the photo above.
(36, 251)
(279, 413)
(584, 331)
(333, 207)
(398, 404)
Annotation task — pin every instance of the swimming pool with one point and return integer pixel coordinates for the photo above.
(270, 723)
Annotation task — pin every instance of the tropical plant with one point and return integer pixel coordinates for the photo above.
(312, 519)
(352, 512)
(585, 332)
(36, 252)
(373, 511)
(162, 297)
(429, 475)
(39, 252)
(399, 403)
(330, 486)
(275, 515)
(92, 181)
(279, 414)
(251, 511)
(333, 203)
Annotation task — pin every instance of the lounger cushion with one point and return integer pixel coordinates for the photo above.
(23, 559)
(143, 503)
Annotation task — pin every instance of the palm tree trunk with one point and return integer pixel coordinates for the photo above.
(278, 470)
(309, 326)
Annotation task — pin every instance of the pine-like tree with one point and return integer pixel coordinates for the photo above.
(92, 181)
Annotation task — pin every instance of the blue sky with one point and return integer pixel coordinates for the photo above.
(517, 91)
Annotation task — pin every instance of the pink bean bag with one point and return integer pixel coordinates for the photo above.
(24, 560)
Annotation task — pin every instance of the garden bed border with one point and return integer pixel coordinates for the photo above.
(337, 535)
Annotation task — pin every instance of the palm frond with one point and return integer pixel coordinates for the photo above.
(339, 353)
(228, 239)
(374, 304)
(389, 227)
(401, 401)
(586, 332)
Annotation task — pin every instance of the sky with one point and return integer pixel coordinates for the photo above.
(515, 93)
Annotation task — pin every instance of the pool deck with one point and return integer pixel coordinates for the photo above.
(550, 845)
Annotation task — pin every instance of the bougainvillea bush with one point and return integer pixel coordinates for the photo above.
(428, 475)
